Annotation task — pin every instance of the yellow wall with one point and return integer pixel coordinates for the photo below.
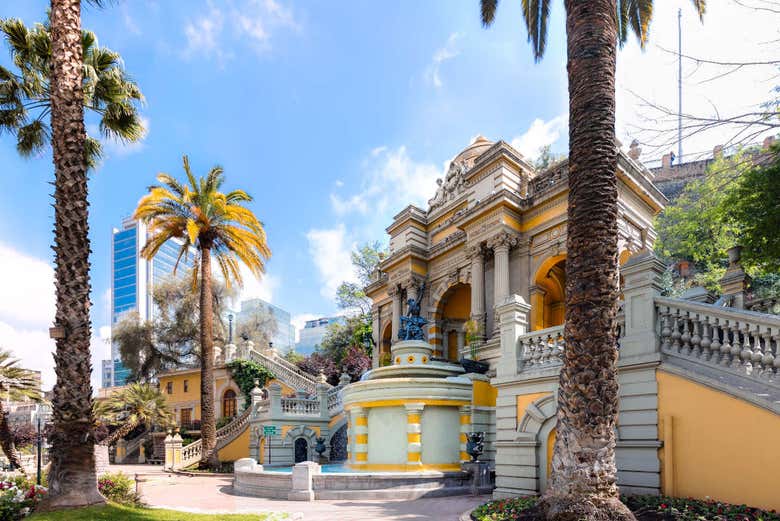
(458, 303)
(236, 449)
(286, 389)
(524, 400)
(484, 394)
(716, 445)
(179, 398)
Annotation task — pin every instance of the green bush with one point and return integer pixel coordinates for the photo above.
(645, 508)
(18, 496)
(119, 488)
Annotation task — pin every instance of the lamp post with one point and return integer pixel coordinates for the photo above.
(230, 328)
(42, 409)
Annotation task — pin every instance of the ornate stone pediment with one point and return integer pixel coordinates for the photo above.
(453, 184)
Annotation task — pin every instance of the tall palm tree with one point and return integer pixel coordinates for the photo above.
(70, 85)
(584, 483)
(16, 384)
(135, 405)
(214, 223)
(26, 94)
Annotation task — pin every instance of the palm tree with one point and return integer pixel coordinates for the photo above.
(214, 223)
(17, 384)
(72, 84)
(135, 405)
(26, 95)
(584, 483)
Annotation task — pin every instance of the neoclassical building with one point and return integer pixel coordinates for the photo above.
(496, 226)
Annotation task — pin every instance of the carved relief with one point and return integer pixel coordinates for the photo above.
(453, 184)
(503, 240)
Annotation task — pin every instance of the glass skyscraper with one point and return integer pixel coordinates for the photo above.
(132, 284)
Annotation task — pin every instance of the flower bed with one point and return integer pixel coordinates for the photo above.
(18, 496)
(646, 508)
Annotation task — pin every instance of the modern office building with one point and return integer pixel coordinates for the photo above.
(313, 332)
(284, 336)
(133, 279)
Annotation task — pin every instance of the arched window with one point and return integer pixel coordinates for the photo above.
(229, 406)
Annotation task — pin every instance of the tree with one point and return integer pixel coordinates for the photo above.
(60, 71)
(169, 341)
(215, 223)
(583, 484)
(350, 296)
(755, 205)
(16, 384)
(132, 406)
(26, 95)
(259, 326)
(546, 158)
(24, 434)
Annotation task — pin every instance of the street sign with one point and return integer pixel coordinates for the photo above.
(270, 430)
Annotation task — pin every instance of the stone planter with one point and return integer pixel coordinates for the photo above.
(473, 366)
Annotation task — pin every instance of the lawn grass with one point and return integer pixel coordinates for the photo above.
(113, 512)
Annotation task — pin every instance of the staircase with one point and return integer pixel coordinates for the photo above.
(191, 454)
(287, 372)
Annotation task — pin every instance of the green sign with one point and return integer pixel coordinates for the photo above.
(270, 430)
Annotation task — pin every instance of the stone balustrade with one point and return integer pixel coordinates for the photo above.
(335, 405)
(740, 342)
(301, 406)
(287, 372)
(541, 349)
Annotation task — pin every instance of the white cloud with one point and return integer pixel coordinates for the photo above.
(330, 251)
(443, 54)
(539, 134)
(262, 288)
(253, 22)
(729, 33)
(392, 181)
(27, 311)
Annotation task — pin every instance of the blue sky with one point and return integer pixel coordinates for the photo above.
(333, 114)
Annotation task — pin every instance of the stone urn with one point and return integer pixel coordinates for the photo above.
(735, 255)
(475, 444)
(319, 447)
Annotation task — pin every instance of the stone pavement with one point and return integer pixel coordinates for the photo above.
(214, 494)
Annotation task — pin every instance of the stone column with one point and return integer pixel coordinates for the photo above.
(514, 322)
(121, 451)
(395, 293)
(445, 340)
(641, 284)
(275, 397)
(176, 446)
(168, 451)
(414, 434)
(465, 428)
(376, 331)
(501, 244)
(359, 435)
(537, 294)
(477, 255)
(461, 343)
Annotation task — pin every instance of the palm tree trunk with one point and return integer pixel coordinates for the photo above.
(121, 432)
(584, 482)
(7, 441)
(72, 478)
(208, 420)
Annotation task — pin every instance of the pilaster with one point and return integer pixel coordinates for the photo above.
(500, 244)
(641, 284)
(477, 256)
(359, 429)
(465, 428)
(414, 433)
(513, 313)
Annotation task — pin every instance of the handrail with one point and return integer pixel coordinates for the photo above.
(191, 454)
(287, 372)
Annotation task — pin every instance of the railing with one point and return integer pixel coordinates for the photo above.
(287, 372)
(135, 444)
(541, 349)
(737, 341)
(334, 400)
(301, 406)
(191, 454)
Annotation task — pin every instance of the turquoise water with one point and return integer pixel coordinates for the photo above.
(330, 468)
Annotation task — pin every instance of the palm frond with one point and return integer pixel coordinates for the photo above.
(488, 11)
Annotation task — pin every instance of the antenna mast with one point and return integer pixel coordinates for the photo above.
(679, 87)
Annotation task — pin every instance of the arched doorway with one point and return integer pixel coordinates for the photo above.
(338, 444)
(229, 404)
(301, 450)
(548, 294)
(454, 310)
(384, 345)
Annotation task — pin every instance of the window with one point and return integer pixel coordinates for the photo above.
(169, 388)
(229, 404)
(186, 418)
(186, 386)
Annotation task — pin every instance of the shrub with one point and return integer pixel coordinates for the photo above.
(119, 488)
(645, 508)
(18, 496)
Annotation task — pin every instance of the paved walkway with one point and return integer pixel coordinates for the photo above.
(214, 494)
